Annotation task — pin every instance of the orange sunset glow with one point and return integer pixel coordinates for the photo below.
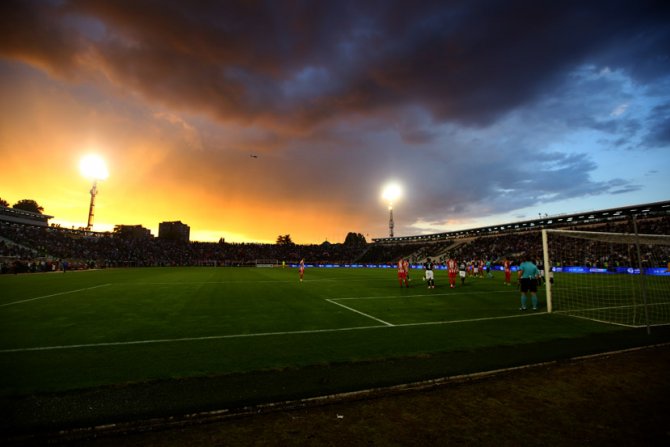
(159, 171)
(246, 122)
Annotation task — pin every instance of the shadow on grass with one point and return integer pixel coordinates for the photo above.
(51, 412)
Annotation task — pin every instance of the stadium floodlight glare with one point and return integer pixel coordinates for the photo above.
(391, 193)
(93, 168)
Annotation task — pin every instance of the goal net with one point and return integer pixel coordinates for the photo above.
(617, 278)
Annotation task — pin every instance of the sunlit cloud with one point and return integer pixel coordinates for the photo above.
(619, 110)
(255, 119)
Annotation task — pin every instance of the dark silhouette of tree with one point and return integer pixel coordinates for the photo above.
(4, 203)
(131, 232)
(28, 205)
(354, 240)
(284, 239)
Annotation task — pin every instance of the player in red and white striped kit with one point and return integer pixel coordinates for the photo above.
(403, 271)
(452, 269)
(507, 267)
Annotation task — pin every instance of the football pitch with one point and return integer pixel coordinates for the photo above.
(122, 326)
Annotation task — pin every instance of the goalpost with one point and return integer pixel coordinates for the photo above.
(616, 278)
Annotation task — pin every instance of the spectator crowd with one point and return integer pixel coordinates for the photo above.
(26, 248)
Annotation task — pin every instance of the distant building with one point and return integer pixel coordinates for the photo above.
(14, 215)
(176, 231)
(132, 232)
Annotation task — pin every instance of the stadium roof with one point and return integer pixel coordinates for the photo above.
(15, 215)
(555, 221)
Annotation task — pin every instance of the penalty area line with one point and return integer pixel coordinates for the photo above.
(54, 294)
(392, 297)
(360, 313)
(175, 340)
(261, 334)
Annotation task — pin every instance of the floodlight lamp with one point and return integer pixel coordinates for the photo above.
(93, 167)
(391, 192)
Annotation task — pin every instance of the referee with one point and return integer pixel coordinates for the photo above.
(528, 275)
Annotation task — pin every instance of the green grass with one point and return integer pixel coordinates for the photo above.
(87, 329)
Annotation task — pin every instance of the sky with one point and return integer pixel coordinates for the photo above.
(252, 119)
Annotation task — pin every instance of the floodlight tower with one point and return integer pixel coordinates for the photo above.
(390, 220)
(91, 207)
(93, 167)
(391, 193)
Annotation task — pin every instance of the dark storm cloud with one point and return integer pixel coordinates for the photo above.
(482, 181)
(468, 103)
(659, 125)
(295, 64)
(35, 32)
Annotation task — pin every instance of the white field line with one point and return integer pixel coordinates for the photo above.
(415, 296)
(575, 314)
(54, 294)
(259, 334)
(273, 281)
(600, 321)
(360, 313)
(628, 306)
(199, 283)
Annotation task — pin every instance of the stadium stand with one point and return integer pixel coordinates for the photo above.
(27, 247)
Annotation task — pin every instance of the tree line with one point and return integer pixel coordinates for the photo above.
(351, 240)
(24, 204)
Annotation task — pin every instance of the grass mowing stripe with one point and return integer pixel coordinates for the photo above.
(54, 294)
(360, 313)
(264, 334)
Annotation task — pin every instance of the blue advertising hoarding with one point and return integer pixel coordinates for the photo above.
(653, 271)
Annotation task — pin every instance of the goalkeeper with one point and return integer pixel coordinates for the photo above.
(528, 275)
